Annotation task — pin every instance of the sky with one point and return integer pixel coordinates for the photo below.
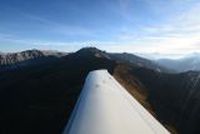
(157, 27)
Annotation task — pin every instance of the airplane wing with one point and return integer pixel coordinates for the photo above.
(105, 107)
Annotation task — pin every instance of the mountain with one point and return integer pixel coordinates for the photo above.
(188, 63)
(38, 98)
(13, 60)
(138, 61)
(16, 60)
(174, 97)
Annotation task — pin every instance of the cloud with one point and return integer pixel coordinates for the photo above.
(178, 34)
(57, 27)
(68, 46)
(71, 30)
(4, 35)
(145, 26)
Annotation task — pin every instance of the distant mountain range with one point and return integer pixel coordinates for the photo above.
(188, 63)
(38, 91)
(10, 61)
(17, 58)
(25, 58)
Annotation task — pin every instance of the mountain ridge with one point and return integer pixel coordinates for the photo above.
(188, 63)
(8, 60)
(12, 58)
(46, 93)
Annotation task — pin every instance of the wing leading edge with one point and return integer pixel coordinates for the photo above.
(105, 107)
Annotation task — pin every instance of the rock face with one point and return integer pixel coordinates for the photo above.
(38, 98)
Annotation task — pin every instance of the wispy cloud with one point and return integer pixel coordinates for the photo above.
(53, 26)
(179, 33)
(145, 26)
(68, 46)
(59, 28)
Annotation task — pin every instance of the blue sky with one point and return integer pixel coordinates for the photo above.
(143, 26)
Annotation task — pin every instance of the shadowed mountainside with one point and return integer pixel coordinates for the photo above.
(39, 98)
(138, 61)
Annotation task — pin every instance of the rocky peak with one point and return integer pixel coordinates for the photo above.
(92, 51)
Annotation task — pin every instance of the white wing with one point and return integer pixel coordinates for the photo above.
(105, 107)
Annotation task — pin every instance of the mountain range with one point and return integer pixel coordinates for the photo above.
(189, 62)
(38, 91)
